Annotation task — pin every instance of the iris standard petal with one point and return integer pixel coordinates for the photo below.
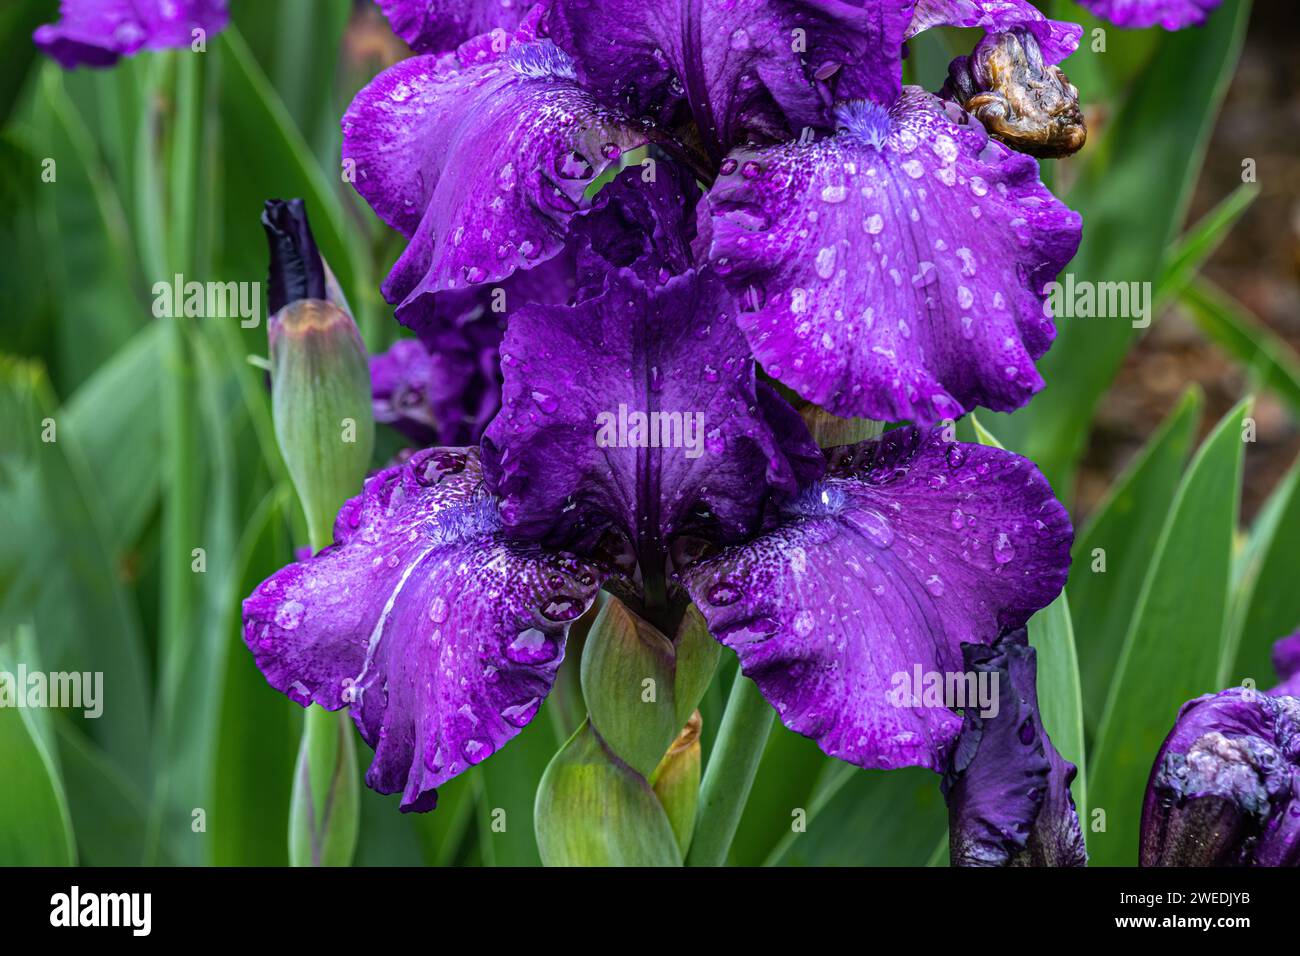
(1170, 14)
(908, 548)
(437, 26)
(98, 32)
(634, 410)
(480, 158)
(741, 69)
(439, 635)
(1007, 788)
(896, 270)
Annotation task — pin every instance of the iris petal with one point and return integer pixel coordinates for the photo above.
(98, 32)
(481, 158)
(896, 270)
(440, 636)
(436, 26)
(908, 548)
(1056, 39)
(637, 408)
(1170, 14)
(742, 69)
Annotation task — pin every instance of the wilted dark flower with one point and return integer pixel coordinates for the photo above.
(1225, 787)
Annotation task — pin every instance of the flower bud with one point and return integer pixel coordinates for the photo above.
(320, 377)
(1007, 788)
(1225, 787)
(594, 810)
(628, 682)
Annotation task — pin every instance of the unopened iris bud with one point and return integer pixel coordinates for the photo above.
(320, 377)
(1007, 787)
(1225, 787)
(1029, 105)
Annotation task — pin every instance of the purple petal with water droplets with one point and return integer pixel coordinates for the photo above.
(436, 26)
(480, 158)
(741, 69)
(908, 548)
(636, 410)
(442, 637)
(98, 32)
(898, 269)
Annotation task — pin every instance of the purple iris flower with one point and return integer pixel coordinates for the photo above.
(98, 32)
(1225, 787)
(639, 449)
(888, 248)
(1008, 790)
(1170, 14)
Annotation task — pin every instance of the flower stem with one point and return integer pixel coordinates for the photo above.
(730, 772)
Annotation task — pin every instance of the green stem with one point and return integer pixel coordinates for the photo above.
(730, 773)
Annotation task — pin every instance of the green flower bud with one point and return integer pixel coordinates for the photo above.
(676, 781)
(594, 810)
(628, 681)
(320, 396)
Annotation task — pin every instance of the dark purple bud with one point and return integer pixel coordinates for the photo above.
(1008, 790)
(297, 270)
(1225, 787)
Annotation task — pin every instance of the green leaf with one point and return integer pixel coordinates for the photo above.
(17, 21)
(868, 818)
(594, 810)
(57, 568)
(1230, 324)
(258, 728)
(790, 767)
(507, 834)
(1267, 603)
(1172, 650)
(1120, 537)
(1060, 696)
(35, 828)
(1186, 257)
